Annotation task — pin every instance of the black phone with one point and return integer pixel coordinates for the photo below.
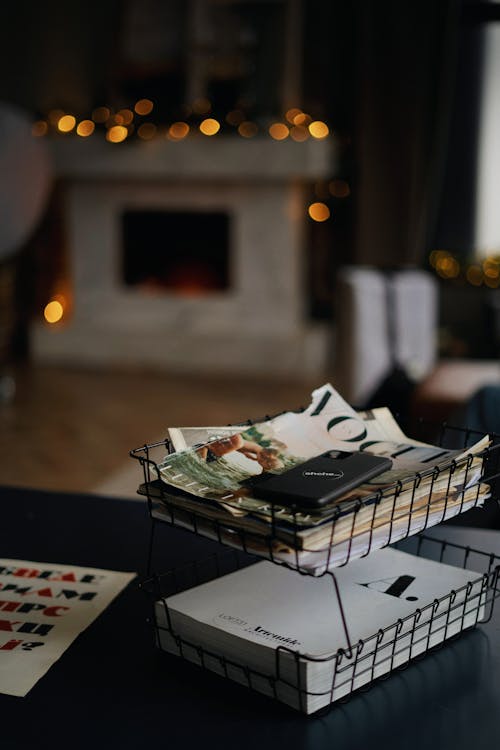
(319, 480)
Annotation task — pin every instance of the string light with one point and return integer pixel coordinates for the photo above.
(302, 119)
(177, 131)
(126, 116)
(116, 134)
(101, 114)
(474, 275)
(449, 267)
(300, 127)
(319, 211)
(66, 123)
(292, 113)
(143, 107)
(53, 311)
(209, 126)
(279, 131)
(319, 129)
(299, 133)
(85, 128)
(248, 129)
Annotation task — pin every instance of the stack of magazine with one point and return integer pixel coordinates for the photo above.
(205, 484)
(301, 625)
(282, 633)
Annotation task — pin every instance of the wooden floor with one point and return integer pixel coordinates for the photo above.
(69, 429)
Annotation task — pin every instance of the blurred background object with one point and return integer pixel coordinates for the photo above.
(214, 171)
(26, 179)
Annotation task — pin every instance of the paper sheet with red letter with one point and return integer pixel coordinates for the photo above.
(43, 607)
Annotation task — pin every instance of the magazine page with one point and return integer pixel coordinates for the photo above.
(216, 470)
(188, 437)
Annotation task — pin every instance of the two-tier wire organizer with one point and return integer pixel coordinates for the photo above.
(354, 532)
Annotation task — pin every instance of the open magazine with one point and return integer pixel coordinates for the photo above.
(207, 477)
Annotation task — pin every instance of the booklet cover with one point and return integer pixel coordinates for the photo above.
(289, 627)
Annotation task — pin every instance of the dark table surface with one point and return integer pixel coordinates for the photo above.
(113, 688)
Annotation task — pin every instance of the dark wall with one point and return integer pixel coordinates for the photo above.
(57, 54)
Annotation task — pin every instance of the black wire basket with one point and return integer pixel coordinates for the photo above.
(353, 529)
(356, 665)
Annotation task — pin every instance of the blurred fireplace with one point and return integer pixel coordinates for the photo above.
(188, 256)
(178, 252)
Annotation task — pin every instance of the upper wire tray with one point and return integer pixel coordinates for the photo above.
(353, 530)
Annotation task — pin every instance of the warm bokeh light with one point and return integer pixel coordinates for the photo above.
(144, 106)
(292, 113)
(209, 126)
(302, 119)
(178, 130)
(493, 282)
(447, 267)
(201, 105)
(85, 128)
(66, 123)
(116, 134)
(146, 131)
(437, 256)
(248, 129)
(474, 275)
(299, 133)
(101, 114)
(339, 188)
(126, 116)
(491, 268)
(491, 272)
(319, 211)
(39, 128)
(235, 117)
(279, 131)
(319, 129)
(53, 311)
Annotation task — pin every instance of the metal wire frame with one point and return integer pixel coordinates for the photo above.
(387, 523)
(357, 665)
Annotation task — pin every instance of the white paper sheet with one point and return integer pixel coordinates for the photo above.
(43, 607)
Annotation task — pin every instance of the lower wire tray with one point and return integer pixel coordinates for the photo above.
(311, 684)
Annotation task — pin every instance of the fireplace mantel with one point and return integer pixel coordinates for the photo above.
(198, 157)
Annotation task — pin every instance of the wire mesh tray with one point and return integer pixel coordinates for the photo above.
(354, 529)
(311, 684)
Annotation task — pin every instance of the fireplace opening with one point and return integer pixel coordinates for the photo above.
(175, 252)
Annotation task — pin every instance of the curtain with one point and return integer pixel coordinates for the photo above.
(408, 54)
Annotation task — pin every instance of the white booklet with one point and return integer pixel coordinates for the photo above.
(288, 628)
